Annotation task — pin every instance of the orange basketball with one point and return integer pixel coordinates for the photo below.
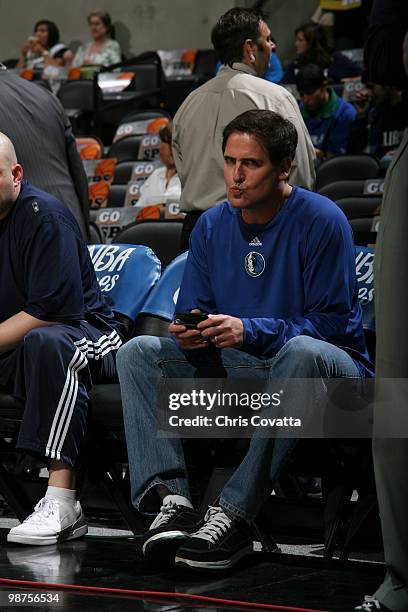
(98, 194)
(150, 212)
(156, 125)
(106, 168)
(91, 151)
(74, 74)
(125, 75)
(27, 74)
(188, 56)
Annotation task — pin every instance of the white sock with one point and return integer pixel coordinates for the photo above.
(180, 500)
(64, 495)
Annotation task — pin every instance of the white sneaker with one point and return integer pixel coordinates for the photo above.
(52, 521)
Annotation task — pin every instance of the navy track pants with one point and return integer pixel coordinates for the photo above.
(52, 371)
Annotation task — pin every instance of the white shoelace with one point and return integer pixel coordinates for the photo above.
(45, 508)
(370, 604)
(165, 514)
(216, 523)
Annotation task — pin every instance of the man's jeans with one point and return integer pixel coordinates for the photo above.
(143, 361)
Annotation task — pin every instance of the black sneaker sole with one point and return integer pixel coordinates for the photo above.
(164, 545)
(216, 564)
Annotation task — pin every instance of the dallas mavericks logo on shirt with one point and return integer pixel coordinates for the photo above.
(254, 264)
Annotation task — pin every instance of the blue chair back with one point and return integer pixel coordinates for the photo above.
(161, 302)
(365, 280)
(126, 274)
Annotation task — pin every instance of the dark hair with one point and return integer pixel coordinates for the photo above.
(319, 51)
(166, 132)
(232, 30)
(53, 32)
(276, 135)
(309, 78)
(105, 18)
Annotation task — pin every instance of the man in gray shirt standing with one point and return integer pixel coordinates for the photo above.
(242, 41)
(35, 122)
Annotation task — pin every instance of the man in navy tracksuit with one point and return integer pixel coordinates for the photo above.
(328, 118)
(57, 337)
(274, 269)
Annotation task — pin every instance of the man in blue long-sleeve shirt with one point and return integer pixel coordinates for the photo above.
(273, 267)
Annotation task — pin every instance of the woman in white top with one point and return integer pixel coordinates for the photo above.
(102, 51)
(43, 48)
(163, 184)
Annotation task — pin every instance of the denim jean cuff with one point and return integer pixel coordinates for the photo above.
(235, 511)
(175, 487)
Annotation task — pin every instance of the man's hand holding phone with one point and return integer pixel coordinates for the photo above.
(184, 328)
(194, 330)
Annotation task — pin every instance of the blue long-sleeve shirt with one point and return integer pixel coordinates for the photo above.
(295, 275)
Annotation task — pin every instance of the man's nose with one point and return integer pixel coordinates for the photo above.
(238, 173)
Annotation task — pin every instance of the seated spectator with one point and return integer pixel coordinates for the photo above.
(381, 120)
(292, 252)
(328, 118)
(312, 48)
(102, 50)
(43, 48)
(163, 183)
(57, 337)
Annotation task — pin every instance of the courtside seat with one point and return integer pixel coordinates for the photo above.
(158, 309)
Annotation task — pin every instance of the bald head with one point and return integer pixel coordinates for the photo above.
(11, 174)
(7, 150)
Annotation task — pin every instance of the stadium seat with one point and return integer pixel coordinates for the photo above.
(351, 188)
(126, 149)
(205, 63)
(162, 236)
(95, 234)
(360, 208)
(82, 101)
(363, 231)
(346, 167)
(123, 172)
(117, 195)
(144, 115)
(343, 189)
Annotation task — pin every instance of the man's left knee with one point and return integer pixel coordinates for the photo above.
(304, 347)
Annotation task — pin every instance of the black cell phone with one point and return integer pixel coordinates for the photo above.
(189, 319)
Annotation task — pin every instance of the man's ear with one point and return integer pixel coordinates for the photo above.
(248, 51)
(17, 172)
(286, 166)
